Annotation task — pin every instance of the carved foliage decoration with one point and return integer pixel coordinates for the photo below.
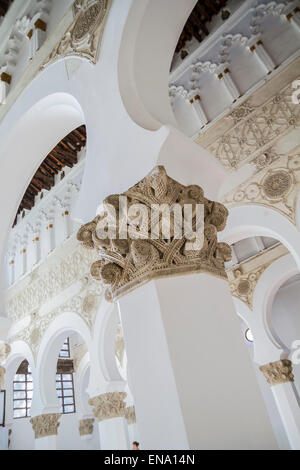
(130, 415)
(45, 425)
(244, 285)
(278, 372)
(86, 426)
(275, 186)
(83, 37)
(109, 405)
(125, 264)
(4, 352)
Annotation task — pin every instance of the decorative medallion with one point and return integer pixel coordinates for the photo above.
(277, 184)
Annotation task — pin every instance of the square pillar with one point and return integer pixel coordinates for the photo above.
(192, 379)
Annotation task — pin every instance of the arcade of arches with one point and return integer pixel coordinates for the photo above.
(106, 340)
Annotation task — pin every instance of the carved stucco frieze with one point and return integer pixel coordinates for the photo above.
(108, 405)
(45, 425)
(86, 426)
(130, 415)
(251, 129)
(125, 264)
(278, 372)
(84, 35)
(275, 186)
(244, 278)
(44, 286)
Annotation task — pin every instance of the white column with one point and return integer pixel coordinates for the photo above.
(3, 91)
(46, 443)
(263, 56)
(109, 410)
(37, 36)
(45, 429)
(198, 108)
(229, 84)
(191, 376)
(279, 375)
(113, 434)
(294, 18)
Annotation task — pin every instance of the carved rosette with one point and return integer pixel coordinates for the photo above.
(130, 415)
(86, 426)
(45, 425)
(108, 405)
(125, 264)
(278, 372)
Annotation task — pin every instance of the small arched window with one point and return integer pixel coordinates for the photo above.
(22, 391)
(64, 380)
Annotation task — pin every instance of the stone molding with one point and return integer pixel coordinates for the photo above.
(108, 405)
(45, 425)
(278, 372)
(84, 35)
(124, 265)
(86, 426)
(130, 415)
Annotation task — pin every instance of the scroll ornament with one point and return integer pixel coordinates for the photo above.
(127, 263)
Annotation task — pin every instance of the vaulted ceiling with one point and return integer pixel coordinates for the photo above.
(64, 154)
(196, 25)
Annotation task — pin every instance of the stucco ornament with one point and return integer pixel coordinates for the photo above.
(108, 405)
(86, 426)
(275, 185)
(119, 345)
(45, 425)
(278, 372)
(4, 351)
(84, 35)
(125, 264)
(130, 415)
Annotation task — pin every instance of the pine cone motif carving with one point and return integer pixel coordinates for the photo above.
(126, 264)
(109, 405)
(45, 425)
(278, 372)
(86, 426)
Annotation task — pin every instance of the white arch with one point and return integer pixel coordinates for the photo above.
(267, 287)
(59, 329)
(105, 376)
(253, 220)
(145, 59)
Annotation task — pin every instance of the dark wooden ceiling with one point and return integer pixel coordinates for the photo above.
(4, 6)
(64, 154)
(196, 25)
